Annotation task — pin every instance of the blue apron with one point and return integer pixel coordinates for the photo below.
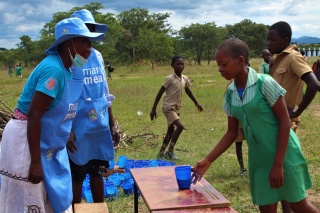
(91, 125)
(56, 126)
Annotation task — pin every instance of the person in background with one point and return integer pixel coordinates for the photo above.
(256, 102)
(291, 71)
(173, 86)
(10, 71)
(264, 66)
(110, 70)
(17, 70)
(91, 144)
(34, 161)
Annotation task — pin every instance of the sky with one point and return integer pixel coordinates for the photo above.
(27, 17)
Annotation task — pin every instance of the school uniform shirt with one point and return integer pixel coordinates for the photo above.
(174, 86)
(264, 68)
(287, 69)
(91, 124)
(260, 127)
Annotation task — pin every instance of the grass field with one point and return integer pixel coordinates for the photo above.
(135, 89)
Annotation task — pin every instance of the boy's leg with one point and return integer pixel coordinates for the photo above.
(166, 140)
(78, 174)
(77, 191)
(240, 138)
(96, 184)
(175, 136)
(239, 155)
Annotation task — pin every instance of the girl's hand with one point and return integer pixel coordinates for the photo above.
(276, 177)
(35, 173)
(200, 168)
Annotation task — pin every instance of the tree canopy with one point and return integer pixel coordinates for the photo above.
(137, 35)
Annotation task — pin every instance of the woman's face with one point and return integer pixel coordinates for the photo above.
(82, 45)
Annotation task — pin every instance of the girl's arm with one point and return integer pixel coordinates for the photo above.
(225, 142)
(153, 112)
(189, 93)
(39, 104)
(276, 176)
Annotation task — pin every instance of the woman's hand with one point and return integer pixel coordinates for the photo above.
(71, 145)
(115, 136)
(35, 172)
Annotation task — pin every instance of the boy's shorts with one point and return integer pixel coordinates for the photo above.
(171, 114)
(93, 168)
(240, 134)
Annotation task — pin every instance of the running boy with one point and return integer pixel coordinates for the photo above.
(256, 102)
(173, 86)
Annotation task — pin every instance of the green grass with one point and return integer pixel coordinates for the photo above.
(135, 89)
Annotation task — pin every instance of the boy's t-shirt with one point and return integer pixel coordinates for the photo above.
(287, 69)
(174, 86)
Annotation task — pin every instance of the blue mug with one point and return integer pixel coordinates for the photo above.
(115, 179)
(122, 161)
(127, 187)
(112, 193)
(106, 185)
(183, 176)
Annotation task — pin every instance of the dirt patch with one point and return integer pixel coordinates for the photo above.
(315, 109)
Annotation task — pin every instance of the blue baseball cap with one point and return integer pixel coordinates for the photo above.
(71, 28)
(86, 16)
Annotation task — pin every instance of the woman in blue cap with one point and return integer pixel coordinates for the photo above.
(34, 161)
(93, 130)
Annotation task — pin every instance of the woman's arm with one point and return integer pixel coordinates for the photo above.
(38, 106)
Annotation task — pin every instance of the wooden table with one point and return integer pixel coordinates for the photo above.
(159, 189)
(90, 207)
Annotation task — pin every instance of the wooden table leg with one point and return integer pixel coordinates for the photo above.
(135, 193)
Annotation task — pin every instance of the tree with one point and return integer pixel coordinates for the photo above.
(252, 33)
(201, 39)
(135, 23)
(25, 47)
(154, 46)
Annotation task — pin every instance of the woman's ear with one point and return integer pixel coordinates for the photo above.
(69, 46)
